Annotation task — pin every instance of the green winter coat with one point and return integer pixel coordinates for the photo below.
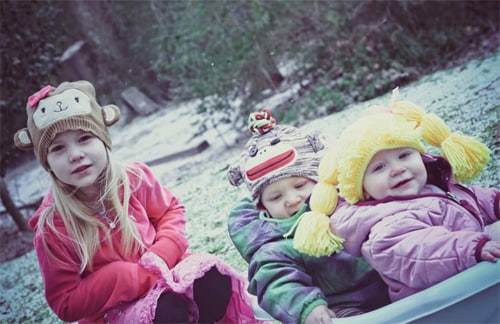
(289, 284)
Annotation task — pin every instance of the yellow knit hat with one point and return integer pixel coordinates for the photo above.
(403, 125)
(362, 140)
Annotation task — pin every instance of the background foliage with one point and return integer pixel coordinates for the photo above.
(342, 51)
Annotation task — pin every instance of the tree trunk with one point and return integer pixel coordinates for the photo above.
(107, 47)
(96, 20)
(11, 207)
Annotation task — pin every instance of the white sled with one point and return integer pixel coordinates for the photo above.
(472, 296)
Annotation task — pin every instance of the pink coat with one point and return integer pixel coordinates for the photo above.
(126, 287)
(417, 241)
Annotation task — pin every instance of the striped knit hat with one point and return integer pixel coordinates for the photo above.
(70, 106)
(273, 153)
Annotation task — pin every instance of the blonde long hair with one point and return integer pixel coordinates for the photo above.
(82, 225)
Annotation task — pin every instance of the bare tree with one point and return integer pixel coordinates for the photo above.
(11, 207)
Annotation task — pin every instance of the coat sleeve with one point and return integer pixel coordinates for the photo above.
(411, 251)
(73, 296)
(277, 276)
(489, 203)
(353, 224)
(167, 216)
(243, 227)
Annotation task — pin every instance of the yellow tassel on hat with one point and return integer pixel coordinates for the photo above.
(327, 170)
(313, 235)
(434, 129)
(467, 156)
(409, 110)
(324, 198)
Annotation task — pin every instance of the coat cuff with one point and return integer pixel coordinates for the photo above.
(479, 248)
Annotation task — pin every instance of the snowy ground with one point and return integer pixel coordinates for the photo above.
(468, 97)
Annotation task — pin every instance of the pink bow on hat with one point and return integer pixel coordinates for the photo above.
(35, 98)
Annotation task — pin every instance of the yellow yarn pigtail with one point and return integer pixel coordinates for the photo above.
(434, 130)
(313, 235)
(408, 110)
(467, 156)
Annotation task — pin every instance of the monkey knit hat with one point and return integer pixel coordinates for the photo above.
(275, 152)
(403, 125)
(70, 106)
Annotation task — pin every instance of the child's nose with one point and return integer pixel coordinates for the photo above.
(397, 169)
(75, 155)
(293, 200)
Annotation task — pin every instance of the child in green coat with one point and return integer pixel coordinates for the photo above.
(279, 167)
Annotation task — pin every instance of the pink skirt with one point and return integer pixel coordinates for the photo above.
(180, 280)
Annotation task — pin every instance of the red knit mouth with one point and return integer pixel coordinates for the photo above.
(270, 165)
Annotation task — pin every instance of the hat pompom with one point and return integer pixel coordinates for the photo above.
(260, 123)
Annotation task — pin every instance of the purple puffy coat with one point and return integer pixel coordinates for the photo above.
(417, 241)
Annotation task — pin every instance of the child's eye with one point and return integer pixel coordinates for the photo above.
(300, 185)
(55, 148)
(404, 155)
(378, 167)
(85, 137)
(276, 197)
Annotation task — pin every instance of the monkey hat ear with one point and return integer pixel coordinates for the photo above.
(22, 139)
(235, 176)
(110, 114)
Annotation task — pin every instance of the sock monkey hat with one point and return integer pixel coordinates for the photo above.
(275, 152)
(70, 106)
(404, 124)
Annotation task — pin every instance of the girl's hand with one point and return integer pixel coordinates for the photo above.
(491, 251)
(320, 315)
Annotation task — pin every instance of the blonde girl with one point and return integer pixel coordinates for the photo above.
(109, 237)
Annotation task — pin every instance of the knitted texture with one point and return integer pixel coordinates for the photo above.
(362, 140)
(70, 106)
(273, 153)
